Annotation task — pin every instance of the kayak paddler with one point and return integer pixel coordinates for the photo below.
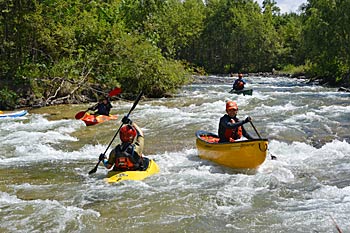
(103, 107)
(127, 156)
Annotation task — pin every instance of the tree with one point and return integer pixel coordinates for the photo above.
(326, 38)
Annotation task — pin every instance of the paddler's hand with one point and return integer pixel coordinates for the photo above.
(102, 157)
(126, 121)
(248, 119)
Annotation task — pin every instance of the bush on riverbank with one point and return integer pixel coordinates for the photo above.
(71, 52)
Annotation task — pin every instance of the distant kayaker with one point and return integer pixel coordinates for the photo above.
(239, 83)
(103, 107)
(127, 156)
(230, 127)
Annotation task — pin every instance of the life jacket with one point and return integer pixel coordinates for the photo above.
(239, 85)
(127, 158)
(103, 109)
(233, 134)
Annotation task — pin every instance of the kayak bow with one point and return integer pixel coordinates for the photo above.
(14, 114)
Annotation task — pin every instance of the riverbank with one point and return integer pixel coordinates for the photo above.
(30, 101)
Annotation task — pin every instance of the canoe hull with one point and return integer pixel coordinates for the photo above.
(118, 176)
(14, 114)
(93, 119)
(244, 92)
(249, 154)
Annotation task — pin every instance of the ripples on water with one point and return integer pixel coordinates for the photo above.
(46, 155)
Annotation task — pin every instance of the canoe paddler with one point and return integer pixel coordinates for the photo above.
(230, 127)
(127, 156)
(239, 83)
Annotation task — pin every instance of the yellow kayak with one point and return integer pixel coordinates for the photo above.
(239, 154)
(117, 176)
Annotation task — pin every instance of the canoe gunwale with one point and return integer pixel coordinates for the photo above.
(203, 132)
(243, 91)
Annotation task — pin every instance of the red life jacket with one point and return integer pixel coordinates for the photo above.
(233, 134)
(127, 159)
(240, 85)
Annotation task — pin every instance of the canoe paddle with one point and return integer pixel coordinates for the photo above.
(114, 92)
(132, 108)
(256, 131)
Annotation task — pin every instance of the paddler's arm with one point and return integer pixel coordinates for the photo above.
(138, 129)
(226, 122)
(139, 142)
(93, 108)
(108, 163)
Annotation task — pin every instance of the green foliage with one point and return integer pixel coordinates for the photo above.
(326, 38)
(291, 69)
(8, 99)
(73, 46)
(238, 38)
(62, 48)
(291, 51)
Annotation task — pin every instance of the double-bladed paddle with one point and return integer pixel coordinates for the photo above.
(114, 92)
(132, 108)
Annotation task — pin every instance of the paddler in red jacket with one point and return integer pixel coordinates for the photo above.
(230, 127)
(239, 83)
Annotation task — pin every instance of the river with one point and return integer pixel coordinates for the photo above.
(46, 155)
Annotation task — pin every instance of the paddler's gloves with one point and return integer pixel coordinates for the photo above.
(126, 120)
(248, 119)
(102, 157)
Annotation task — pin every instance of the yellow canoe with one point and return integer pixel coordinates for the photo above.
(240, 154)
(117, 176)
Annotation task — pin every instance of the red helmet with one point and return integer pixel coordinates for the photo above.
(127, 133)
(231, 105)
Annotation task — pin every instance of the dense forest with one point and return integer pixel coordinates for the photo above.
(71, 51)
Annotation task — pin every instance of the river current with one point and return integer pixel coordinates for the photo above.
(46, 155)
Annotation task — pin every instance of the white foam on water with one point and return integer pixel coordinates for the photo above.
(29, 215)
(264, 109)
(335, 109)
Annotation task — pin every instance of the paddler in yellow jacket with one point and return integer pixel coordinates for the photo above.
(230, 127)
(127, 156)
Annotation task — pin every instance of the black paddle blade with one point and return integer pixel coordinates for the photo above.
(95, 168)
(92, 171)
